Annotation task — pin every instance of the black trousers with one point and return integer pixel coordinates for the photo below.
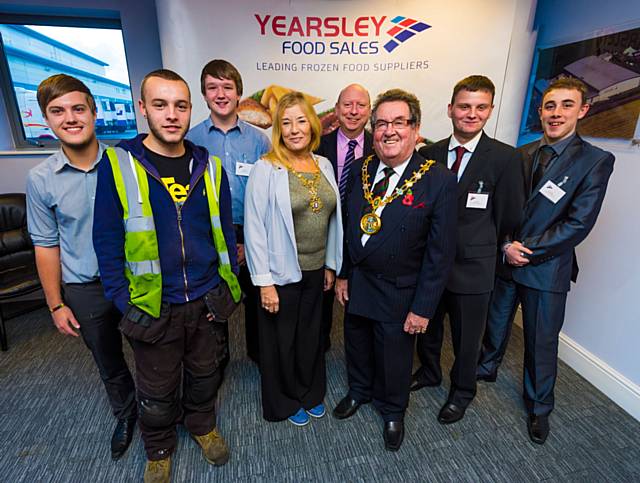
(192, 351)
(291, 351)
(502, 310)
(542, 319)
(327, 318)
(98, 320)
(251, 304)
(467, 316)
(379, 359)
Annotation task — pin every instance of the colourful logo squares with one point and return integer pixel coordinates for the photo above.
(404, 29)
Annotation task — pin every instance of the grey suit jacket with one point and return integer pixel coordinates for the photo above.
(553, 230)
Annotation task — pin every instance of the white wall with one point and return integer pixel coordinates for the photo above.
(601, 335)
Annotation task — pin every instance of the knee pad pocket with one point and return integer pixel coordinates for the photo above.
(158, 414)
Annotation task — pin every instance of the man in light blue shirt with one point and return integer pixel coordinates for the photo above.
(239, 145)
(60, 197)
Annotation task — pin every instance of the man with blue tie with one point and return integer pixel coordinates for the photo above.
(342, 147)
(565, 180)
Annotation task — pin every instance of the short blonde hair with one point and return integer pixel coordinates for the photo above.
(279, 151)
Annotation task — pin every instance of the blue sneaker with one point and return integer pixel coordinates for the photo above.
(300, 418)
(317, 412)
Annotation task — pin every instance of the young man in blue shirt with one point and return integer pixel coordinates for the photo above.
(239, 145)
(60, 195)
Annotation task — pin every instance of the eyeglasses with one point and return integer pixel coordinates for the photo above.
(398, 124)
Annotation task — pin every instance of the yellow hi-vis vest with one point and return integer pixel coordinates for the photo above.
(142, 257)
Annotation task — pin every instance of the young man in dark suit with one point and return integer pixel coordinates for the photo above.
(342, 147)
(489, 203)
(565, 182)
(399, 245)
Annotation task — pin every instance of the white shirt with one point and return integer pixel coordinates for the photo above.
(470, 147)
(398, 171)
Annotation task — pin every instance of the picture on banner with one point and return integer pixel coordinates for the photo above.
(609, 65)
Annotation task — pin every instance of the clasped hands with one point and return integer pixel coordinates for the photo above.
(515, 253)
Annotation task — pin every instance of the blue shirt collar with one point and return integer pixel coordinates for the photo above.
(62, 160)
(208, 122)
(560, 146)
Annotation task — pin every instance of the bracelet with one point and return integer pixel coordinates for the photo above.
(57, 307)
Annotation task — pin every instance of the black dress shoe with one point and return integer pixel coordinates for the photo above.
(346, 408)
(487, 377)
(418, 382)
(393, 435)
(450, 413)
(538, 427)
(122, 436)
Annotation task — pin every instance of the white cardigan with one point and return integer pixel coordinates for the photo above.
(269, 236)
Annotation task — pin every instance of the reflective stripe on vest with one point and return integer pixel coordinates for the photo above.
(212, 183)
(142, 257)
(143, 262)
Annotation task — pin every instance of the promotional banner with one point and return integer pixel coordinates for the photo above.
(319, 47)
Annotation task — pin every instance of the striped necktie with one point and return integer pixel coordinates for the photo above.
(346, 168)
(380, 188)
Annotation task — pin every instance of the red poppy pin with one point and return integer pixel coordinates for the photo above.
(408, 198)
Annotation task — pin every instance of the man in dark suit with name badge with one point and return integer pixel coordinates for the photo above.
(342, 147)
(399, 244)
(489, 204)
(565, 181)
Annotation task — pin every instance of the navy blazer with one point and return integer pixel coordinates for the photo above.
(405, 265)
(499, 168)
(329, 148)
(553, 231)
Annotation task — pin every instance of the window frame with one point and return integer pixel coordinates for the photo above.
(18, 134)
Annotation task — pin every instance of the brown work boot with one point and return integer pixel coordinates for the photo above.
(214, 448)
(158, 471)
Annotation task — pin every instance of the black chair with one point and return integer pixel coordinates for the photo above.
(18, 275)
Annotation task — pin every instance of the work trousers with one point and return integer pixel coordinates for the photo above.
(192, 351)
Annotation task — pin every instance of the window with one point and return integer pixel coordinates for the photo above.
(34, 48)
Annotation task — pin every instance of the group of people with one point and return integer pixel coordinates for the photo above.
(148, 238)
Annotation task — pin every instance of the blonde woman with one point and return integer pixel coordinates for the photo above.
(293, 243)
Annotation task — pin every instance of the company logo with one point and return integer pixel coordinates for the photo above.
(360, 36)
(404, 29)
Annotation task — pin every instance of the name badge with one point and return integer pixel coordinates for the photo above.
(243, 169)
(477, 200)
(552, 192)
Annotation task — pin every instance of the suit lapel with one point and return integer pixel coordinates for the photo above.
(332, 151)
(564, 162)
(528, 158)
(558, 167)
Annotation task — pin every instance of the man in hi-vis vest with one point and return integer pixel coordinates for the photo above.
(164, 238)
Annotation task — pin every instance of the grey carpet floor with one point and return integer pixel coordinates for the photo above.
(55, 425)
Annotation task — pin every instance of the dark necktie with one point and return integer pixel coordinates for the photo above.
(380, 188)
(544, 157)
(346, 168)
(460, 150)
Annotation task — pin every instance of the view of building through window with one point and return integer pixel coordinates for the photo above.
(96, 56)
